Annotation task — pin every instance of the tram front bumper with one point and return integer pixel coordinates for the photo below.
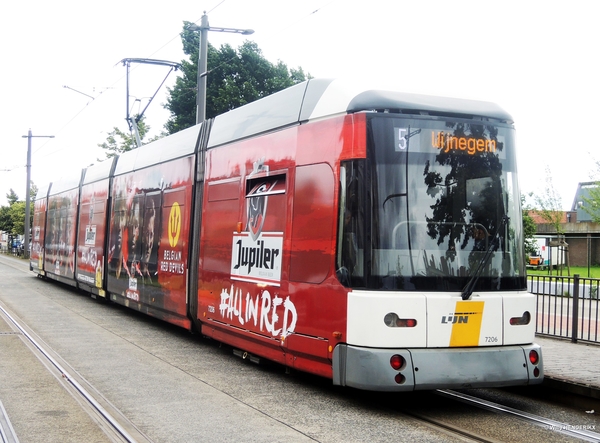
(440, 368)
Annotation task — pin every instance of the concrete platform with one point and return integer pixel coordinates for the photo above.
(572, 367)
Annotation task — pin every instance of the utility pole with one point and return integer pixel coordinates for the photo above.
(29, 136)
(203, 61)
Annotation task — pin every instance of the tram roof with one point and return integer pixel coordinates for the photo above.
(43, 191)
(65, 183)
(178, 145)
(319, 98)
(99, 171)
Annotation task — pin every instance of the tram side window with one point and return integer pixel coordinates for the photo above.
(350, 252)
(150, 228)
(119, 236)
(51, 240)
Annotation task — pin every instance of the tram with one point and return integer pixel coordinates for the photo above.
(368, 236)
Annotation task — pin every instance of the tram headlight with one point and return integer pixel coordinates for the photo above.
(392, 320)
(523, 320)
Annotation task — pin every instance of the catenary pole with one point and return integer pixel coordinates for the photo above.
(203, 61)
(29, 136)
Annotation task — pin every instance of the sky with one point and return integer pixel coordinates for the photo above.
(62, 77)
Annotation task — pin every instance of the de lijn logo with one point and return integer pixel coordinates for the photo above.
(174, 224)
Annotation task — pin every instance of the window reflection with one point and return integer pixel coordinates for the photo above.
(424, 208)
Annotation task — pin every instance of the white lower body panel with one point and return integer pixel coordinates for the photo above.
(370, 369)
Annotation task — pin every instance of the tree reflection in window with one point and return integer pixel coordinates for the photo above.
(468, 195)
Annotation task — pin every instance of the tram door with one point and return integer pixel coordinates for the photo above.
(313, 223)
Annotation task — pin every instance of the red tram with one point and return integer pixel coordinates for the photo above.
(371, 237)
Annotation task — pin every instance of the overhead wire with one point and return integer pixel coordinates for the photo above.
(282, 29)
(41, 146)
(274, 34)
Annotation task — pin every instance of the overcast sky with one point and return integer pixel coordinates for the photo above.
(536, 59)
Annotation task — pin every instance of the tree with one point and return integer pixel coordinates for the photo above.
(33, 190)
(550, 205)
(235, 77)
(12, 217)
(5, 219)
(529, 229)
(16, 213)
(11, 196)
(119, 141)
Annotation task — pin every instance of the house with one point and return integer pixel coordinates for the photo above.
(581, 234)
(583, 193)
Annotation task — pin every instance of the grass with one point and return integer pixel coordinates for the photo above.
(594, 271)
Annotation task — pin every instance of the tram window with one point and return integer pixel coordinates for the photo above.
(265, 204)
(117, 231)
(134, 246)
(351, 230)
(150, 234)
(265, 186)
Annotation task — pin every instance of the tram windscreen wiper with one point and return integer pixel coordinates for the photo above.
(470, 286)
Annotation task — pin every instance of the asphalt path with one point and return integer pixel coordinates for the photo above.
(178, 387)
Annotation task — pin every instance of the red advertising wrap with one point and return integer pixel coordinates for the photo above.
(91, 235)
(360, 235)
(61, 231)
(38, 231)
(149, 239)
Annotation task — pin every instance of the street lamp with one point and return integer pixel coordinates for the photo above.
(29, 136)
(202, 61)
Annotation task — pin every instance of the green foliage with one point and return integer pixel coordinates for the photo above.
(550, 205)
(594, 271)
(12, 217)
(529, 229)
(33, 190)
(16, 213)
(119, 141)
(235, 77)
(11, 196)
(5, 219)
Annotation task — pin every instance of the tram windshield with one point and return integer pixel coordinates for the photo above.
(435, 206)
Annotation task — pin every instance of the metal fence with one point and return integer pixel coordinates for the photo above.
(567, 306)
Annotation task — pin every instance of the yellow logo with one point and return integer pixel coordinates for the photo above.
(99, 275)
(174, 224)
(467, 323)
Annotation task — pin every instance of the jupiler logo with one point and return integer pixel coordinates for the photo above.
(256, 255)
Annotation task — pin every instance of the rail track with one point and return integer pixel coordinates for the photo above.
(582, 432)
(118, 428)
(114, 424)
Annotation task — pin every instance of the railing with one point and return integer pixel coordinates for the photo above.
(567, 306)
